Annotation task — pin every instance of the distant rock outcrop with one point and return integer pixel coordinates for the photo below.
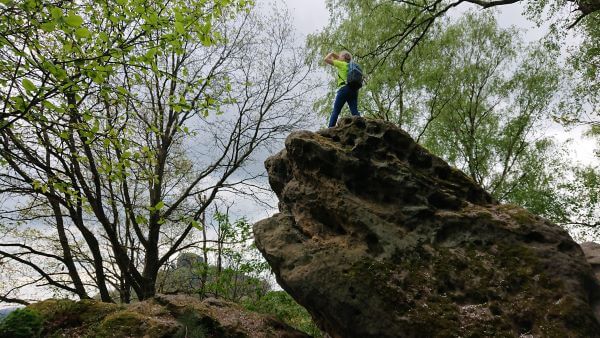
(167, 316)
(377, 237)
(186, 277)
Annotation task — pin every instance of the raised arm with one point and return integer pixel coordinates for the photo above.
(330, 57)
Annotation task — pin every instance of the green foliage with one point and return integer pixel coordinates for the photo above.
(232, 284)
(281, 305)
(470, 92)
(21, 323)
(240, 270)
(543, 193)
(581, 106)
(234, 270)
(125, 120)
(582, 203)
(71, 47)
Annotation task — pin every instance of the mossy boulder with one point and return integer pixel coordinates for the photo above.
(377, 237)
(163, 316)
(68, 317)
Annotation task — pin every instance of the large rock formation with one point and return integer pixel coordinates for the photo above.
(377, 237)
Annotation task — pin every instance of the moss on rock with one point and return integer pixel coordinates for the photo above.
(126, 323)
(161, 317)
(62, 316)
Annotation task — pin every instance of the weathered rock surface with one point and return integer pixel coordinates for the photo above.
(592, 254)
(376, 237)
(162, 316)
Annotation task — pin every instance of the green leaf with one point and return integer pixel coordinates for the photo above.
(206, 41)
(179, 28)
(159, 205)
(87, 116)
(82, 33)
(122, 90)
(141, 219)
(103, 36)
(149, 56)
(139, 9)
(96, 126)
(48, 27)
(152, 19)
(196, 225)
(178, 15)
(49, 105)
(56, 13)
(74, 20)
(28, 85)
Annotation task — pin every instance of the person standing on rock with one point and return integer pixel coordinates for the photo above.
(349, 81)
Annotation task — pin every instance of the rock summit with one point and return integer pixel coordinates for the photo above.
(377, 237)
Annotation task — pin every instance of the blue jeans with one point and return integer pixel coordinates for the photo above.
(344, 94)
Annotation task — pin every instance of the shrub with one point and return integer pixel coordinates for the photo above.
(24, 323)
(281, 305)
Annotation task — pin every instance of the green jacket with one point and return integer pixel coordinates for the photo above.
(342, 71)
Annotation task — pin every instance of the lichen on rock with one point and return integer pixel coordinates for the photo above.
(377, 237)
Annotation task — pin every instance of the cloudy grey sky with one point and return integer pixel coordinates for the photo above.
(311, 15)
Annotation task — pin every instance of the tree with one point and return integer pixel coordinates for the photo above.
(239, 271)
(50, 46)
(582, 104)
(584, 199)
(471, 93)
(423, 13)
(134, 118)
(229, 267)
(412, 21)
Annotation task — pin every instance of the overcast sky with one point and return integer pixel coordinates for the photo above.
(311, 15)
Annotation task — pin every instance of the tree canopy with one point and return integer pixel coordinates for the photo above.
(471, 92)
(123, 122)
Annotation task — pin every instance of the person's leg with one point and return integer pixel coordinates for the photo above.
(353, 102)
(340, 99)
